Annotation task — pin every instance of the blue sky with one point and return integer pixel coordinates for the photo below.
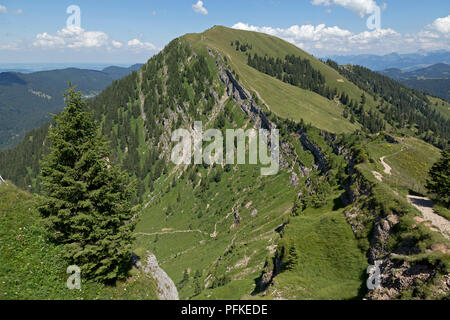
(133, 30)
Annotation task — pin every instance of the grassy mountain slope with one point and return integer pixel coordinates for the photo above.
(283, 99)
(32, 267)
(226, 232)
(329, 263)
(442, 106)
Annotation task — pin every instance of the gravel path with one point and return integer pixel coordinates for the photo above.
(387, 168)
(425, 206)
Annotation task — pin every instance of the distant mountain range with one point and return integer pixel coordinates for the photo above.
(36, 67)
(434, 79)
(27, 99)
(404, 62)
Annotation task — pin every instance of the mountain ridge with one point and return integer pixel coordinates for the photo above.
(225, 231)
(434, 79)
(405, 62)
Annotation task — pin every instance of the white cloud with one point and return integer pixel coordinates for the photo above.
(361, 7)
(13, 46)
(441, 25)
(117, 44)
(325, 40)
(140, 45)
(199, 8)
(71, 37)
(299, 33)
(5, 10)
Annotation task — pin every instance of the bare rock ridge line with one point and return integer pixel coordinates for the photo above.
(425, 206)
(166, 287)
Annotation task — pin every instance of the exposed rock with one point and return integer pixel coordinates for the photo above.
(319, 156)
(166, 287)
(294, 180)
(244, 99)
(399, 276)
(237, 219)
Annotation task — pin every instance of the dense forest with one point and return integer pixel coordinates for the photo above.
(293, 70)
(402, 108)
(299, 72)
(132, 113)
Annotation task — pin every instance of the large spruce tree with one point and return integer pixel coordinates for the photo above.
(439, 182)
(86, 199)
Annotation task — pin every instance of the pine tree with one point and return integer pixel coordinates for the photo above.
(86, 199)
(297, 207)
(439, 182)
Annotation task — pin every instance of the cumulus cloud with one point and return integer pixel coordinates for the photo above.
(325, 40)
(298, 33)
(140, 45)
(71, 37)
(435, 35)
(199, 8)
(117, 44)
(441, 25)
(361, 7)
(3, 9)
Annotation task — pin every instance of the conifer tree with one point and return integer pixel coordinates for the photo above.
(86, 199)
(439, 182)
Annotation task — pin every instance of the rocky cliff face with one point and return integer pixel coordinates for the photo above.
(320, 158)
(166, 287)
(398, 277)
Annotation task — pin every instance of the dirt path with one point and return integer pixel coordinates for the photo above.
(378, 176)
(425, 206)
(170, 232)
(387, 168)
